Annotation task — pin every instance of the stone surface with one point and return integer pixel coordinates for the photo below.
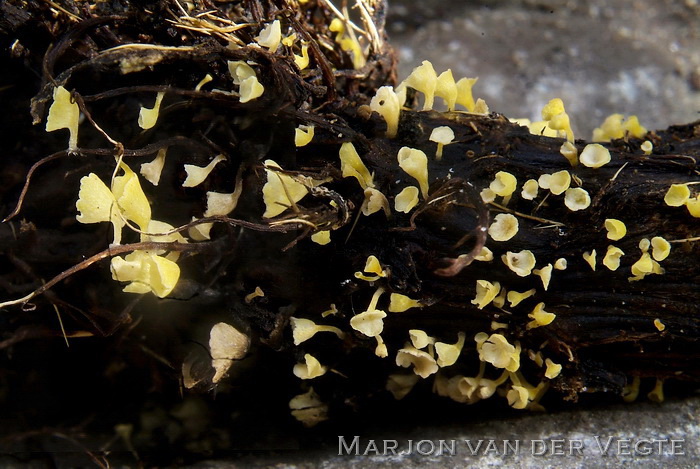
(628, 56)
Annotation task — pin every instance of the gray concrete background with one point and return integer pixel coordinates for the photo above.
(630, 56)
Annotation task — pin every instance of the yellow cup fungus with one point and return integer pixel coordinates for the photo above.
(560, 264)
(660, 326)
(304, 329)
(577, 199)
(449, 353)
(693, 206)
(197, 174)
(423, 364)
(321, 237)
(485, 255)
(514, 297)
(149, 117)
(257, 293)
(310, 369)
(374, 202)
(545, 274)
(369, 323)
(613, 128)
(590, 258)
(226, 344)
(281, 191)
(594, 155)
(497, 351)
(442, 135)
(221, 203)
(420, 339)
(372, 266)
(352, 166)
(540, 317)
(146, 272)
(64, 114)
(677, 195)
(406, 200)
(387, 103)
(151, 171)
(399, 385)
(302, 61)
(521, 262)
(244, 76)
(660, 248)
(504, 184)
(615, 228)
(612, 257)
(557, 119)
(399, 303)
(415, 164)
(485, 293)
(504, 227)
(553, 369)
(557, 183)
(308, 408)
(657, 394)
(270, 36)
(97, 203)
(348, 42)
(423, 79)
(647, 147)
(303, 135)
(570, 152)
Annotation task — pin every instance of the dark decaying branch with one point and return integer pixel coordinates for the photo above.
(608, 328)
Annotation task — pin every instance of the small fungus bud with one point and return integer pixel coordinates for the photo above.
(570, 152)
(442, 136)
(660, 326)
(595, 155)
(530, 189)
(504, 227)
(560, 264)
(647, 147)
